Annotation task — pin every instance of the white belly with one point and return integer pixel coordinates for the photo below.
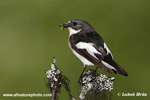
(84, 60)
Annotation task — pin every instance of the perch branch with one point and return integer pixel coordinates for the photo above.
(95, 86)
(92, 87)
(56, 80)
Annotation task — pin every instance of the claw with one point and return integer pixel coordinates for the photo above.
(80, 80)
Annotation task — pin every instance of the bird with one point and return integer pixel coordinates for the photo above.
(90, 47)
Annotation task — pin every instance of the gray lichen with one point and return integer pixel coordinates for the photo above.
(56, 80)
(53, 73)
(95, 83)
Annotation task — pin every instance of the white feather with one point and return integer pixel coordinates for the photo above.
(89, 47)
(83, 60)
(72, 31)
(108, 65)
(108, 51)
(69, 21)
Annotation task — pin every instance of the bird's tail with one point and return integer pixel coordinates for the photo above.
(119, 69)
(108, 63)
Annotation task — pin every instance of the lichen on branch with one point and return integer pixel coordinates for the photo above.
(92, 87)
(56, 80)
(93, 83)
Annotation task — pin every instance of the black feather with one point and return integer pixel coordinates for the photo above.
(119, 69)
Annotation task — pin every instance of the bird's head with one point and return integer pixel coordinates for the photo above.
(76, 25)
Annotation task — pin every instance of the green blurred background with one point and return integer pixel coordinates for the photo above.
(30, 36)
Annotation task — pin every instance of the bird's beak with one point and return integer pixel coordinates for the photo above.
(64, 25)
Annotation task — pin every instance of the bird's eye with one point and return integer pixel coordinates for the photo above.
(75, 23)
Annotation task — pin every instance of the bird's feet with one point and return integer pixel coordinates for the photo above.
(94, 73)
(80, 80)
(96, 69)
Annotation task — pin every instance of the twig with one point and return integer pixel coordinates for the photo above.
(53, 95)
(55, 80)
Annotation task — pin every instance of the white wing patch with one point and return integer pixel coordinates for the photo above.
(108, 65)
(108, 51)
(89, 47)
(84, 60)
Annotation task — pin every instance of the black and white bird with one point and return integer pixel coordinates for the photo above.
(90, 48)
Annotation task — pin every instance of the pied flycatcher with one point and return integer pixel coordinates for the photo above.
(90, 48)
